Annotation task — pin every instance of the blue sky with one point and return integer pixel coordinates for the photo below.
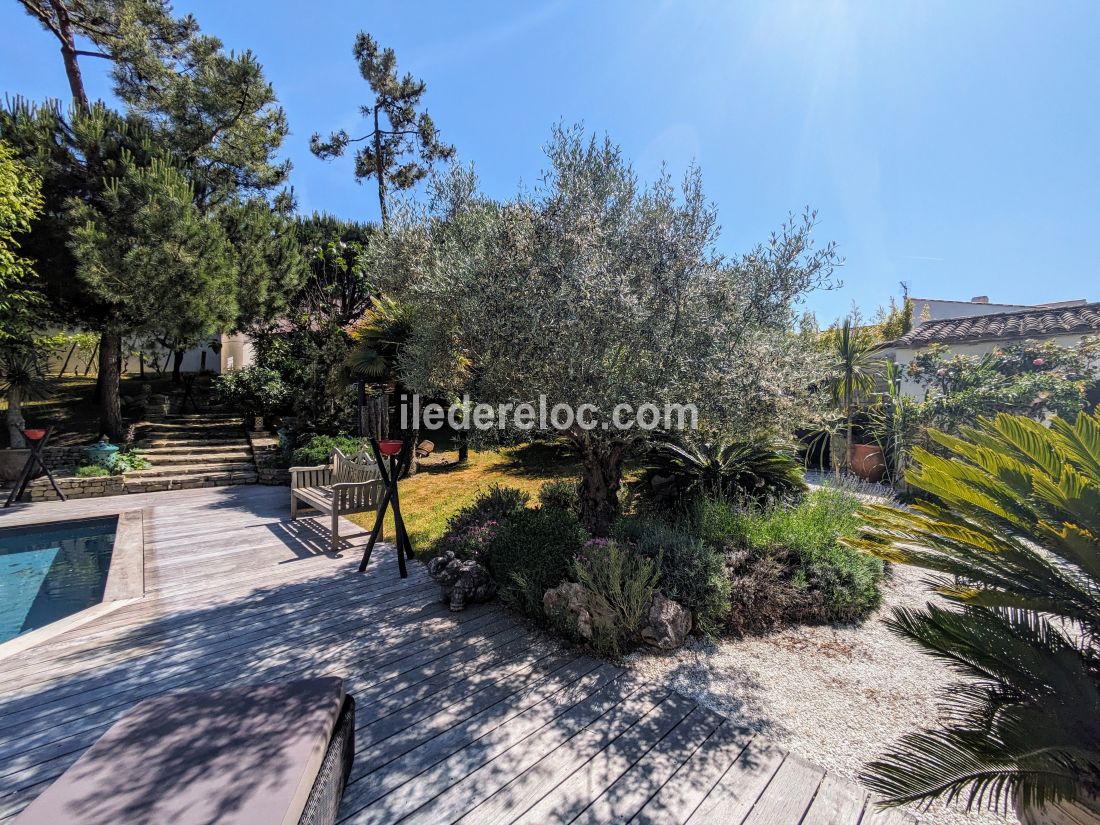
(952, 145)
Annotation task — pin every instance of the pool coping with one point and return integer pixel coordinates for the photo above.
(125, 580)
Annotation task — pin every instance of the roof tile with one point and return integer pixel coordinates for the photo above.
(1083, 319)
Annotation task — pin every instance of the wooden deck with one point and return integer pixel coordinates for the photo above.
(462, 717)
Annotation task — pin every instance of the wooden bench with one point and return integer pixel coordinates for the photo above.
(351, 484)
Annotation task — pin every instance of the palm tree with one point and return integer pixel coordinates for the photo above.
(1012, 528)
(379, 337)
(22, 378)
(854, 369)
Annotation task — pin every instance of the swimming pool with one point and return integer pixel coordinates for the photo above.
(50, 571)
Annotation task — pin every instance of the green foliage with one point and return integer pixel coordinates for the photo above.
(1011, 535)
(402, 144)
(678, 474)
(378, 339)
(92, 471)
(813, 576)
(1029, 378)
(646, 311)
(338, 287)
(560, 493)
(311, 363)
(126, 461)
(318, 449)
(253, 390)
(20, 203)
(621, 584)
(498, 503)
(532, 552)
(692, 570)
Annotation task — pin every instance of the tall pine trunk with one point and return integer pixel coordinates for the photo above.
(110, 373)
(600, 481)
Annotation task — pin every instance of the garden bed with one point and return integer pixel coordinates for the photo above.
(833, 694)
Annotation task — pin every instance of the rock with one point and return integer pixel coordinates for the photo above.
(573, 606)
(666, 624)
(462, 581)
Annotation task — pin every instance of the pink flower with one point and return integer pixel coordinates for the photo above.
(1039, 362)
(941, 372)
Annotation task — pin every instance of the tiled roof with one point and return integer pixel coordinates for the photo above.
(1033, 323)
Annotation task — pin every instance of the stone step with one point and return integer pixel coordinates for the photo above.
(160, 459)
(175, 425)
(194, 469)
(202, 446)
(190, 443)
(153, 484)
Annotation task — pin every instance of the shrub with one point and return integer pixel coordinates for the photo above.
(693, 571)
(253, 390)
(497, 503)
(622, 584)
(560, 493)
(788, 564)
(126, 461)
(679, 474)
(470, 542)
(317, 449)
(532, 552)
(92, 471)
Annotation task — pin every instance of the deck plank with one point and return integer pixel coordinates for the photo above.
(469, 717)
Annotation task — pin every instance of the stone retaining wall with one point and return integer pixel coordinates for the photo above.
(40, 489)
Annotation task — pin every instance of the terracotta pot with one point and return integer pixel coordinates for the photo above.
(868, 462)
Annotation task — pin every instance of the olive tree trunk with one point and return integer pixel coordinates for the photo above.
(601, 479)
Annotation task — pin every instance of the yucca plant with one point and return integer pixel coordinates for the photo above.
(1013, 534)
(678, 473)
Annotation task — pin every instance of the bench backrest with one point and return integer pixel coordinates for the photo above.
(353, 469)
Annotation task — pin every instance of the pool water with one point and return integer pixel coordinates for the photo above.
(50, 571)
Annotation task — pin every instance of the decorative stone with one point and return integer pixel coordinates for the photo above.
(462, 581)
(666, 624)
(573, 606)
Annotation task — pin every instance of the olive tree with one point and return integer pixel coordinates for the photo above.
(594, 289)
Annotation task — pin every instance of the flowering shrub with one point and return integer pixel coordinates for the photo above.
(470, 542)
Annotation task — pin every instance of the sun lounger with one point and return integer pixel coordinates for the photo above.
(275, 754)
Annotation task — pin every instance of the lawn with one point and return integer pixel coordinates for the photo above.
(442, 486)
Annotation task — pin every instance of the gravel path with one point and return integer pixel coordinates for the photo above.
(834, 695)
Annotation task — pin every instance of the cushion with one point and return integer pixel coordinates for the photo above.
(232, 756)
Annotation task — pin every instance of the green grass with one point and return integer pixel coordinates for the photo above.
(441, 486)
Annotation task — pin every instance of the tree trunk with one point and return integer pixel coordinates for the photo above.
(463, 446)
(110, 408)
(68, 54)
(16, 423)
(600, 482)
(379, 171)
(177, 363)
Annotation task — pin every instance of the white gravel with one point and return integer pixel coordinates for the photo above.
(834, 695)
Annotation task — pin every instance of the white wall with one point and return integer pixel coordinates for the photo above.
(903, 355)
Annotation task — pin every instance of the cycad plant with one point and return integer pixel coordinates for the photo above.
(678, 473)
(1013, 532)
(22, 378)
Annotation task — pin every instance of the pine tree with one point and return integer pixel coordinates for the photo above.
(403, 142)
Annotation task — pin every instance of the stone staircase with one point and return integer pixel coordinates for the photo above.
(187, 451)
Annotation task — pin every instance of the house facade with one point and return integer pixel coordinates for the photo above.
(977, 327)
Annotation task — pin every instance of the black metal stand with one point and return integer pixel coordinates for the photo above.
(398, 464)
(36, 447)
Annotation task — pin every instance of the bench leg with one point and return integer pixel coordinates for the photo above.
(335, 530)
(293, 506)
